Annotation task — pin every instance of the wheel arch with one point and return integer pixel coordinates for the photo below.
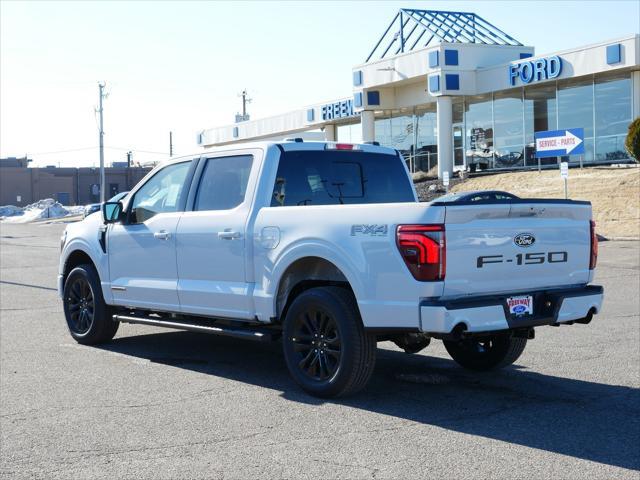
(304, 273)
(75, 258)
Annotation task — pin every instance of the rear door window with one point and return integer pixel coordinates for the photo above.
(340, 177)
(223, 184)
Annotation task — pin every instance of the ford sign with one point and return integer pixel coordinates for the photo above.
(524, 239)
(535, 70)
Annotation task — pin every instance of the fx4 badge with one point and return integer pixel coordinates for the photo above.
(372, 230)
(524, 240)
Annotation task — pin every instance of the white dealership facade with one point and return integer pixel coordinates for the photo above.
(452, 90)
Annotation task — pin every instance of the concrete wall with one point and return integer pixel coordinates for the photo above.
(22, 186)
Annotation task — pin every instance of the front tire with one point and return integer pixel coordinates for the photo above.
(326, 348)
(486, 353)
(88, 317)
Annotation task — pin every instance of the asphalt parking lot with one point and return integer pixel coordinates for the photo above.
(162, 404)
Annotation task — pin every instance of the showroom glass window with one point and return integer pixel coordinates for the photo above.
(426, 139)
(383, 131)
(540, 115)
(508, 129)
(575, 110)
(612, 115)
(458, 131)
(479, 132)
(349, 133)
(402, 132)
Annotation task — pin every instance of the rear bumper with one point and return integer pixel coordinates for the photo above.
(490, 313)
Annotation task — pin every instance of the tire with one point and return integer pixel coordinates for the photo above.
(327, 351)
(486, 353)
(88, 317)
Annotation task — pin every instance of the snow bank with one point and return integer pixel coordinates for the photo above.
(40, 210)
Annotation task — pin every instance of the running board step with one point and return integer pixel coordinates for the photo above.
(248, 333)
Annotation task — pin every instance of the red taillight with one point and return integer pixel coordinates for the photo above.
(594, 246)
(423, 249)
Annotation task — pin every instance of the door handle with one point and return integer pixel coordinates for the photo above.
(162, 235)
(229, 235)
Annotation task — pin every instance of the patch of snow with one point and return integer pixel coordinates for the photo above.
(75, 209)
(40, 210)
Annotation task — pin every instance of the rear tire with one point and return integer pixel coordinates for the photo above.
(327, 350)
(486, 353)
(88, 317)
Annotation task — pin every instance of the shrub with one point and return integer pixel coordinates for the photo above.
(632, 142)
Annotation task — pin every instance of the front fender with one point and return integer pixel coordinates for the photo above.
(88, 244)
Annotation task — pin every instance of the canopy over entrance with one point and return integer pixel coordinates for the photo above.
(411, 29)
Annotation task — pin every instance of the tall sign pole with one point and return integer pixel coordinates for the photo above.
(103, 180)
(564, 173)
(171, 144)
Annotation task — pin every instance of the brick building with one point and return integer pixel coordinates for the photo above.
(20, 185)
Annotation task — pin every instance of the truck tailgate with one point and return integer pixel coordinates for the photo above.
(516, 247)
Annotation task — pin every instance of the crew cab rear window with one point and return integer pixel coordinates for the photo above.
(340, 177)
(224, 183)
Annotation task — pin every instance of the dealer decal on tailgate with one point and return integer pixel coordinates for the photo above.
(520, 305)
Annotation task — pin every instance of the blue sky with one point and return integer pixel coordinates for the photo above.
(180, 65)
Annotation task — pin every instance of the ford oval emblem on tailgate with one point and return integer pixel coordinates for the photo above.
(524, 239)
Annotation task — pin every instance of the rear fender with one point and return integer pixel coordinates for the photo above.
(298, 251)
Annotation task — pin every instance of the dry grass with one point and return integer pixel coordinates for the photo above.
(613, 192)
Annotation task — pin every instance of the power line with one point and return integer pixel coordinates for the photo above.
(63, 151)
(92, 148)
(136, 150)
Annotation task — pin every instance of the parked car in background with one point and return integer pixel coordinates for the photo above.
(95, 207)
(478, 196)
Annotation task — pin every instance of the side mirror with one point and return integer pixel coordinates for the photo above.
(112, 212)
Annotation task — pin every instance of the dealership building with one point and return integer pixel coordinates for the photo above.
(453, 90)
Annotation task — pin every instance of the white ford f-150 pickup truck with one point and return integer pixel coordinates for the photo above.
(326, 247)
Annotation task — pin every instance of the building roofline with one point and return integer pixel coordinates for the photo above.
(634, 36)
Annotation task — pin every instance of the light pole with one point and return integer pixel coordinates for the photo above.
(103, 180)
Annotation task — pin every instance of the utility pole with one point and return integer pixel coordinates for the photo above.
(128, 175)
(245, 99)
(103, 180)
(171, 144)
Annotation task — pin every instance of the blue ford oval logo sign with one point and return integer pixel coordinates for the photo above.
(524, 239)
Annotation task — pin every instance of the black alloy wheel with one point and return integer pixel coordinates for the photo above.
(81, 306)
(89, 318)
(316, 339)
(327, 350)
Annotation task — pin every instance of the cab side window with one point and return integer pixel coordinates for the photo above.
(223, 184)
(162, 193)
